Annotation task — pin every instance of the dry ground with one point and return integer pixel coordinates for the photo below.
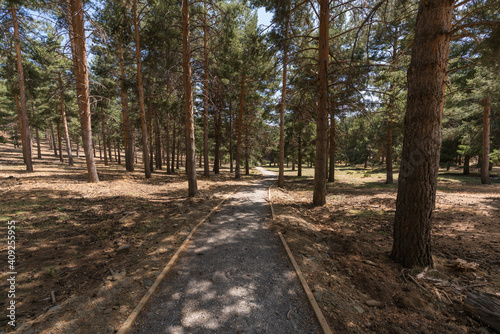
(68, 232)
(343, 249)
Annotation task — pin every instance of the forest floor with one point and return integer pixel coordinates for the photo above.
(343, 249)
(69, 233)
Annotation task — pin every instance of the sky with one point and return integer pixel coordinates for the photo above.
(264, 17)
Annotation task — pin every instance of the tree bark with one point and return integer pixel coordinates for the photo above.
(127, 136)
(319, 193)
(218, 136)
(422, 135)
(79, 48)
(103, 135)
(118, 151)
(167, 144)
(140, 88)
(206, 167)
(281, 173)
(230, 136)
(54, 146)
(239, 128)
(173, 147)
(157, 141)
(59, 141)
(150, 123)
(299, 154)
(467, 164)
(24, 121)
(485, 164)
(188, 103)
(65, 122)
(37, 135)
(331, 174)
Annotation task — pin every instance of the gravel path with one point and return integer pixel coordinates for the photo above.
(234, 277)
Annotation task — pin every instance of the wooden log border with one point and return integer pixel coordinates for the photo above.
(135, 313)
(317, 310)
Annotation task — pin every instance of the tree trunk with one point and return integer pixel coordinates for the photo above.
(59, 141)
(331, 174)
(319, 194)
(157, 142)
(422, 135)
(54, 146)
(173, 147)
(65, 122)
(167, 144)
(79, 49)
(281, 173)
(388, 161)
(140, 88)
(218, 136)
(24, 126)
(103, 135)
(467, 164)
(230, 136)
(239, 128)
(206, 167)
(127, 136)
(108, 145)
(299, 154)
(118, 150)
(188, 103)
(178, 154)
(37, 135)
(150, 123)
(485, 178)
(100, 147)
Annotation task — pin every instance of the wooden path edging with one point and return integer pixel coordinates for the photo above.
(319, 315)
(135, 313)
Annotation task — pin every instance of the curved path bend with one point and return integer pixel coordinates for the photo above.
(233, 277)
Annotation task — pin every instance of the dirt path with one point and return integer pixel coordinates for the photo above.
(234, 277)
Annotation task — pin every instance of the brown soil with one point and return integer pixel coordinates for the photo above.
(343, 249)
(68, 232)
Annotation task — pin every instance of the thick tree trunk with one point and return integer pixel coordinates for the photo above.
(79, 48)
(188, 103)
(24, 126)
(467, 164)
(178, 165)
(485, 177)
(65, 121)
(140, 88)
(206, 167)
(239, 128)
(422, 135)
(127, 136)
(319, 193)
(59, 141)
(331, 174)
(281, 173)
